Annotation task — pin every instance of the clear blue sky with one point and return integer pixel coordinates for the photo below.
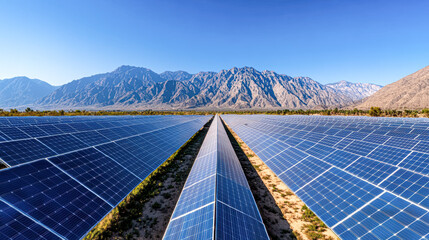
(327, 40)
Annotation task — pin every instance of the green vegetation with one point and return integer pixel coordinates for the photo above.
(374, 111)
(120, 219)
(31, 112)
(316, 227)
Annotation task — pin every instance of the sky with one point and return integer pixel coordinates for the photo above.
(377, 41)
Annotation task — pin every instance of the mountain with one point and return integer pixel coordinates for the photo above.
(178, 75)
(118, 86)
(20, 91)
(356, 91)
(410, 92)
(237, 88)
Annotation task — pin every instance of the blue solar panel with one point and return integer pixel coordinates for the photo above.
(81, 126)
(299, 175)
(101, 174)
(216, 201)
(47, 194)
(63, 143)
(417, 162)
(361, 148)
(86, 174)
(371, 170)
(389, 155)
(110, 133)
(236, 196)
(65, 128)
(341, 159)
(13, 133)
(422, 146)
(373, 182)
(33, 131)
(136, 165)
(233, 224)
(91, 138)
(15, 225)
(22, 151)
(409, 185)
(50, 129)
(195, 196)
(195, 225)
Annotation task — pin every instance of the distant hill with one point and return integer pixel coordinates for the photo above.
(20, 91)
(410, 92)
(356, 91)
(237, 88)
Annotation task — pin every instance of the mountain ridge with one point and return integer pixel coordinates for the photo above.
(357, 91)
(410, 92)
(235, 88)
(19, 91)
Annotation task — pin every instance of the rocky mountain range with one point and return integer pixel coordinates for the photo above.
(20, 91)
(356, 91)
(410, 92)
(238, 88)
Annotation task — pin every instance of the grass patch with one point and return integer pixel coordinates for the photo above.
(316, 227)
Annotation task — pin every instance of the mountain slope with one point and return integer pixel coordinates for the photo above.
(133, 87)
(249, 88)
(356, 91)
(20, 91)
(410, 92)
(105, 89)
(177, 75)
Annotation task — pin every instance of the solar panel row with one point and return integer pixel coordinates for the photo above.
(216, 201)
(60, 186)
(364, 177)
(23, 148)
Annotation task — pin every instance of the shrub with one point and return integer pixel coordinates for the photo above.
(375, 111)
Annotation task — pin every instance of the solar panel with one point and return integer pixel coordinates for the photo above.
(63, 143)
(91, 138)
(369, 184)
(13, 133)
(138, 166)
(50, 129)
(44, 192)
(18, 152)
(104, 176)
(61, 185)
(216, 201)
(33, 131)
(15, 225)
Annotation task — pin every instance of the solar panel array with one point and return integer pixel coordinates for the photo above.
(216, 201)
(364, 177)
(67, 173)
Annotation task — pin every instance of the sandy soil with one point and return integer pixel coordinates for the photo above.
(279, 206)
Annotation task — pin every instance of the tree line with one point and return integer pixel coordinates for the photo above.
(373, 112)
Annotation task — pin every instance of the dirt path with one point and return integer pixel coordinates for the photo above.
(284, 214)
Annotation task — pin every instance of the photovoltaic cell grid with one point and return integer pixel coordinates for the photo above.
(14, 225)
(364, 177)
(216, 201)
(60, 186)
